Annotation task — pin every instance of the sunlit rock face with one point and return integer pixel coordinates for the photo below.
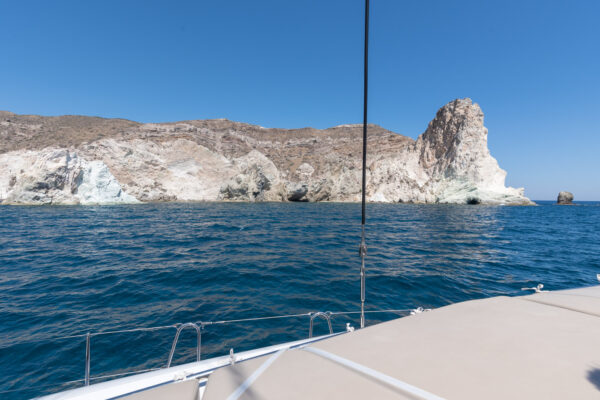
(177, 169)
(449, 163)
(454, 153)
(57, 176)
(88, 160)
(256, 179)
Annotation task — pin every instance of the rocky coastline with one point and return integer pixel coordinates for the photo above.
(90, 160)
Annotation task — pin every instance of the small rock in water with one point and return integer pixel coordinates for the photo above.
(565, 198)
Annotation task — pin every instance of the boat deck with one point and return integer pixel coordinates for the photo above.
(541, 346)
(546, 345)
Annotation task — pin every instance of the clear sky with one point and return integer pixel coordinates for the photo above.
(533, 66)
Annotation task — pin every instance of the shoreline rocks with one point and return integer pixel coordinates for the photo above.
(104, 161)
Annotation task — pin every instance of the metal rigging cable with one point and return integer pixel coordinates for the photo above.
(363, 245)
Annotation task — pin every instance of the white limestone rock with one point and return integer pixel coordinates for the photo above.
(96, 185)
(449, 163)
(213, 160)
(57, 176)
(172, 170)
(258, 179)
(453, 151)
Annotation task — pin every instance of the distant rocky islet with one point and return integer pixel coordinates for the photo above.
(565, 198)
(90, 160)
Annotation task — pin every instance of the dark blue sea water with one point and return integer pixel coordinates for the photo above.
(69, 270)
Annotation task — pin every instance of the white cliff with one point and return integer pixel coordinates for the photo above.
(449, 163)
(83, 160)
(257, 179)
(57, 176)
(177, 169)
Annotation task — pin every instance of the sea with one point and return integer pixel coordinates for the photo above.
(70, 270)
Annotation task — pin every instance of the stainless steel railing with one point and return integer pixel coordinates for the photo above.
(198, 340)
(325, 315)
(88, 339)
(198, 327)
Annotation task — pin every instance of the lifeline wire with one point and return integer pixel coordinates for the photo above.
(202, 323)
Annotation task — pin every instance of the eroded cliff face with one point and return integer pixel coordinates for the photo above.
(86, 160)
(57, 176)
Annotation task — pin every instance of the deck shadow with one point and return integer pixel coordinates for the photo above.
(594, 377)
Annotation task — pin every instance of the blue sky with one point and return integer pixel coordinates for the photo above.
(533, 66)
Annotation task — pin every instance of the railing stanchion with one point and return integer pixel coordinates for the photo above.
(325, 315)
(87, 359)
(176, 339)
(199, 340)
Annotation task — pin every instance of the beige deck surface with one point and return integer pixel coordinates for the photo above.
(543, 346)
(187, 390)
(584, 301)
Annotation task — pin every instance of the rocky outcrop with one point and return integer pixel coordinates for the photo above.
(57, 176)
(449, 163)
(257, 179)
(178, 169)
(565, 198)
(84, 160)
(455, 155)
